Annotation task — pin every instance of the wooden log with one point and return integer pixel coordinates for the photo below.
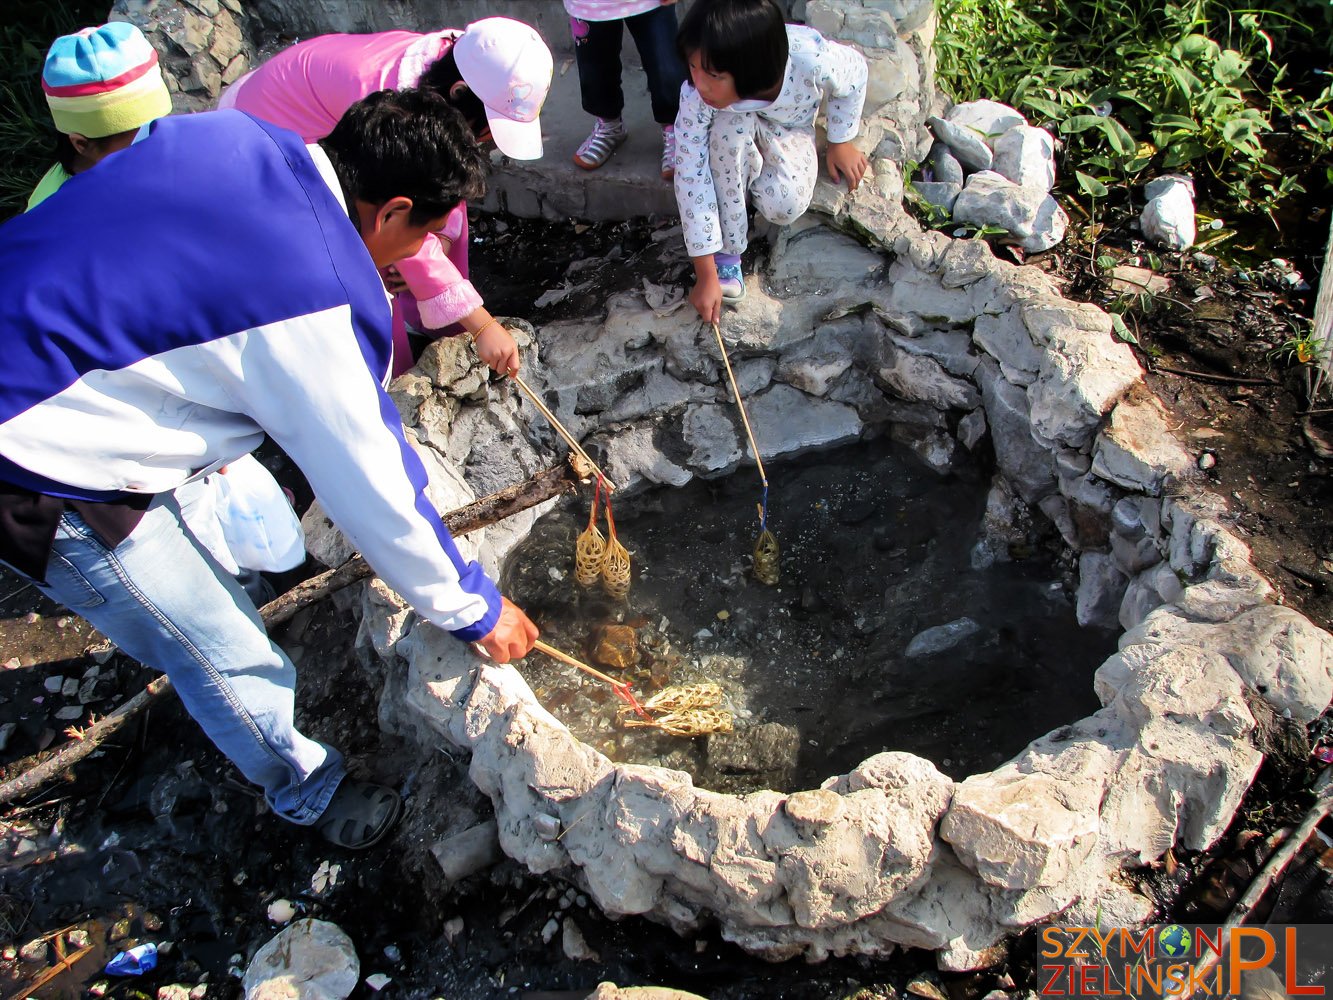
(488, 510)
(1322, 327)
(549, 483)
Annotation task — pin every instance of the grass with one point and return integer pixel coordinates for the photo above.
(26, 133)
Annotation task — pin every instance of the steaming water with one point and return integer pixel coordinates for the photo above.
(876, 548)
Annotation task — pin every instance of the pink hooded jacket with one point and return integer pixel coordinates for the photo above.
(307, 87)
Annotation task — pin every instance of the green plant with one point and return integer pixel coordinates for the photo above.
(1187, 85)
(1310, 352)
(26, 133)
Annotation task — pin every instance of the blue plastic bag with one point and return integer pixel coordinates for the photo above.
(135, 962)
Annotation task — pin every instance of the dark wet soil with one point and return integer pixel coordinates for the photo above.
(876, 548)
(154, 837)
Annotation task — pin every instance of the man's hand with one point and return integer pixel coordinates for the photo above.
(513, 635)
(496, 348)
(846, 162)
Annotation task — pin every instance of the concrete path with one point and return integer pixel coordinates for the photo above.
(628, 185)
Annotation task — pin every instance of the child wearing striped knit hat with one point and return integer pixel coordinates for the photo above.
(102, 85)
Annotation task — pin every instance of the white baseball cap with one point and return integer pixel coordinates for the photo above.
(508, 66)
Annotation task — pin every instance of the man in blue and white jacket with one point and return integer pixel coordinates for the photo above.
(212, 283)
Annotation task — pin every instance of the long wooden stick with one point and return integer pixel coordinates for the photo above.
(478, 514)
(555, 654)
(740, 404)
(560, 429)
(619, 687)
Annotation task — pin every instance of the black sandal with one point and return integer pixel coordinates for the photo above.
(359, 814)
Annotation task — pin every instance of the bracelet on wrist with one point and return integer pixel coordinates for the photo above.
(483, 328)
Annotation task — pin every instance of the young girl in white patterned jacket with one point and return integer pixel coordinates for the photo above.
(746, 125)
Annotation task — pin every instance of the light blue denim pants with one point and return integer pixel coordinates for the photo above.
(164, 600)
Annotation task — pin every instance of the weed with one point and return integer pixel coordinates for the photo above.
(26, 132)
(1189, 84)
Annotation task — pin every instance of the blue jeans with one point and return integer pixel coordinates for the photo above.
(597, 51)
(164, 600)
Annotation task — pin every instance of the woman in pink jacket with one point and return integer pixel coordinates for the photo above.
(497, 72)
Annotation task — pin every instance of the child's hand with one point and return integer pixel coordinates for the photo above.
(706, 296)
(846, 162)
(496, 348)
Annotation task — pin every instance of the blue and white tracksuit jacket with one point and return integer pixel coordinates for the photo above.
(194, 292)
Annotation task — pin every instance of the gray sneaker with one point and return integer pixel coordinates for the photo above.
(668, 153)
(598, 147)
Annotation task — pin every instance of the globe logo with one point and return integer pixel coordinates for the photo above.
(1174, 941)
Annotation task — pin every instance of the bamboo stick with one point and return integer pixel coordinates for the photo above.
(560, 429)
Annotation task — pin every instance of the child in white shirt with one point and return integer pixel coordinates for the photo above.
(746, 126)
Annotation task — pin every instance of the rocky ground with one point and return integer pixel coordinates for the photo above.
(154, 838)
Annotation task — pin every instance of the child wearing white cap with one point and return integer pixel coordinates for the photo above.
(598, 26)
(497, 72)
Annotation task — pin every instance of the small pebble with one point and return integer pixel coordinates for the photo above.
(1207, 460)
(549, 930)
(32, 618)
(151, 922)
(54, 683)
(281, 911)
(99, 989)
(453, 927)
(34, 951)
(78, 938)
(9, 953)
(378, 981)
(69, 713)
(70, 687)
(393, 953)
(62, 622)
(13, 663)
(199, 992)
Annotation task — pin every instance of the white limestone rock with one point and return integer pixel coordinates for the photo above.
(920, 379)
(1026, 155)
(1033, 821)
(990, 119)
(633, 457)
(1135, 448)
(715, 443)
(991, 199)
(967, 145)
(1167, 218)
(306, 960)
(1276, 650)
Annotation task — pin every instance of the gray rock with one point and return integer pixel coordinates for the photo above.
(968, 146)
(991, 119)
(1101, 587)
(1168, 215)
(941, 194)
(1048, 228)
(941, 638)
(468, 852)
(712, 438)
(1023, 461)
(944, 166)
(307, 960)
(989, 199)
(785, 420)
(1026, 156)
